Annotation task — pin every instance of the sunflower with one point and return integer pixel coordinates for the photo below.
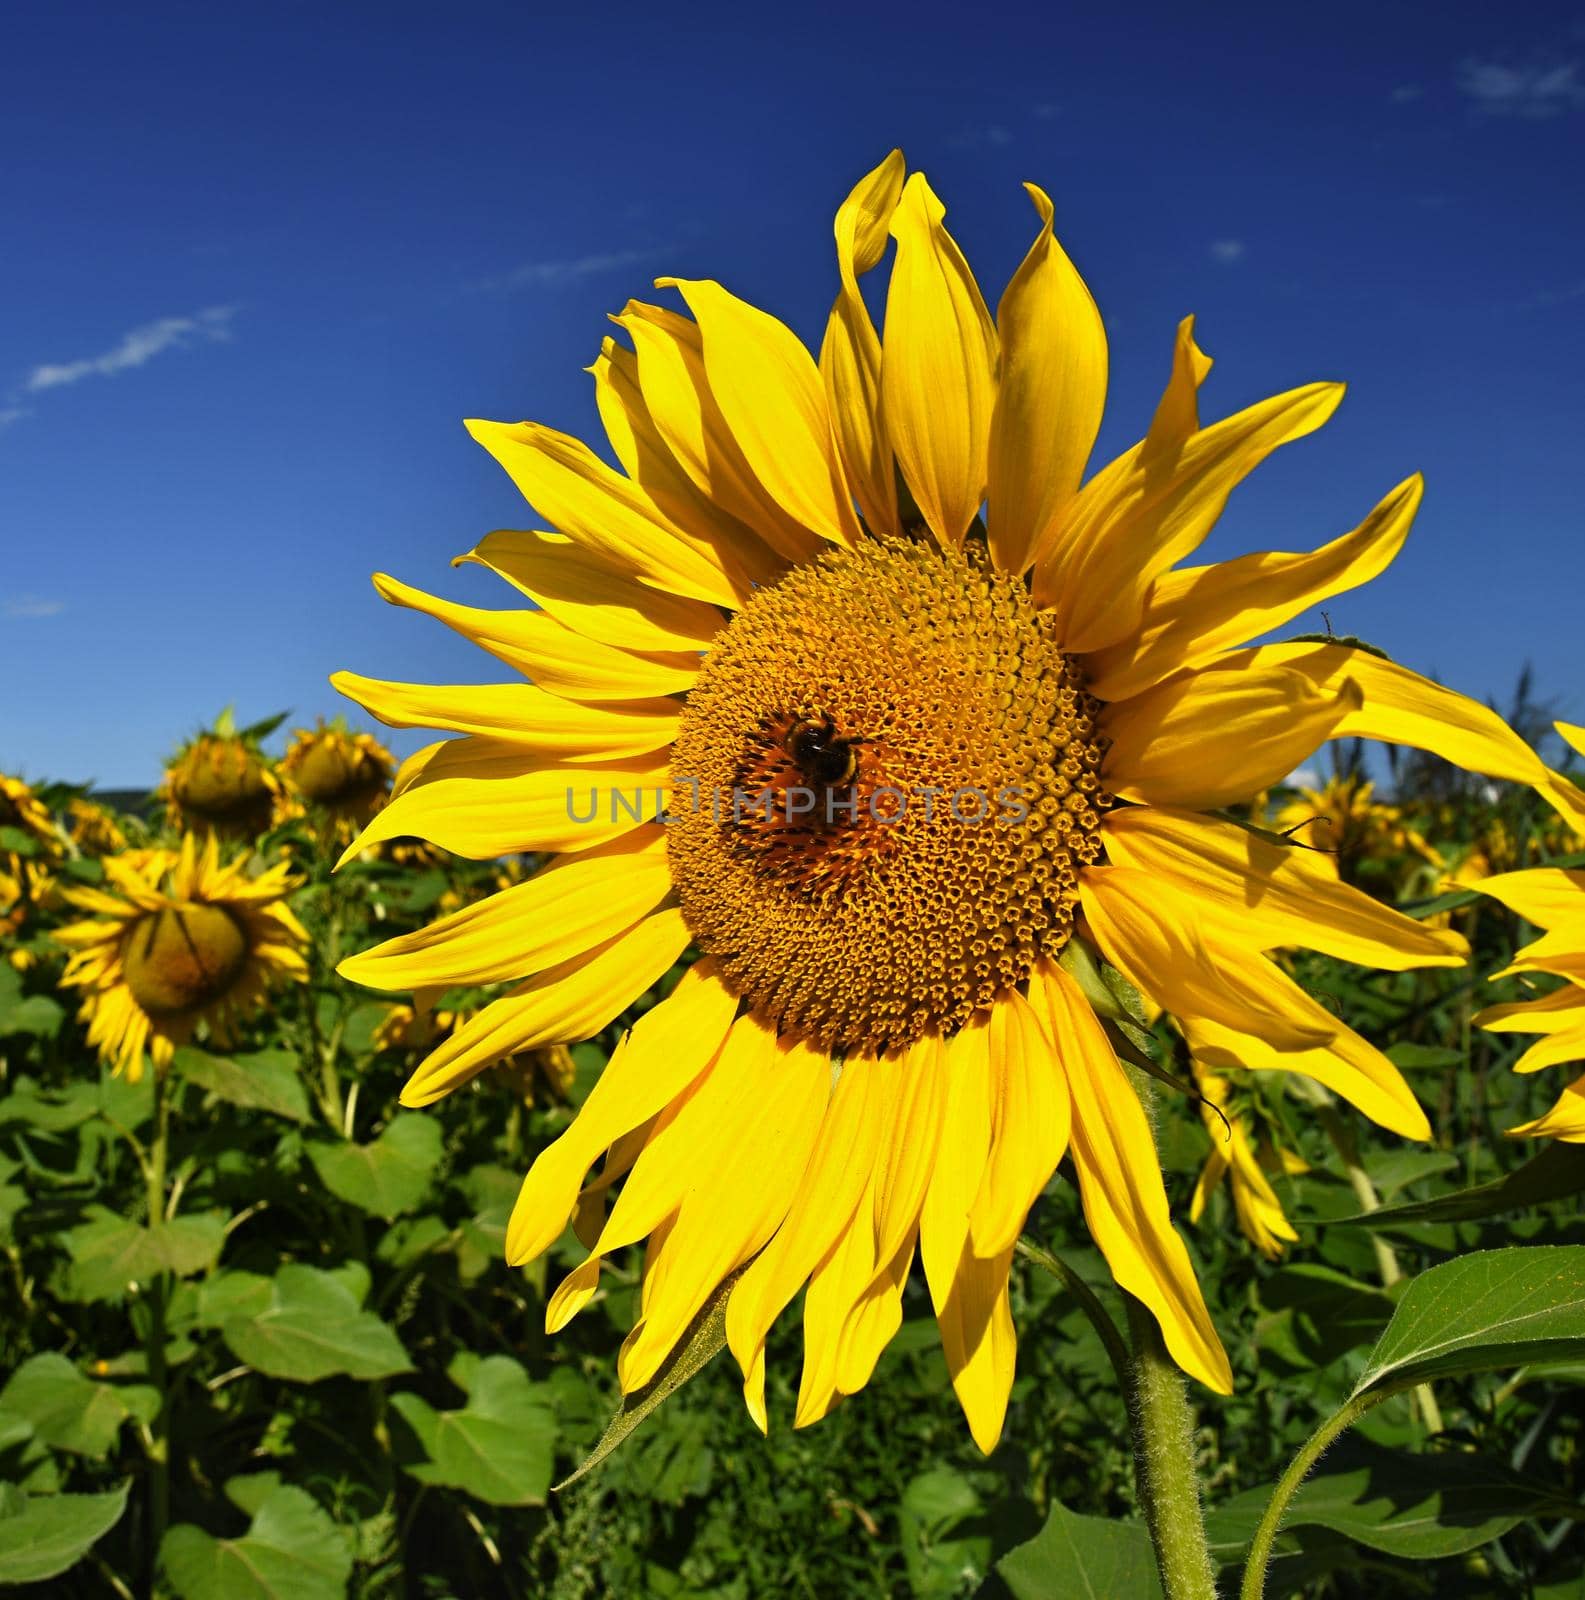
(916, 763)
(1553, 898)
(175, 941)
(345, 774)
(545, 1072)
(93, 828)
(222, 782)
(1371, 842)
(1245, 1162)
(24, 813)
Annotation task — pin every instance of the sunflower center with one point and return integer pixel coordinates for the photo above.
(183, 958)
(884, 785)
(221, 779)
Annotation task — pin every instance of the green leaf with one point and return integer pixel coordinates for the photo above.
(267, 1081)
(291, 1551)
(943, 1534)
(1317, 1313)
(1556, 1173)
(1083, 1558)
(387, 1177)
(50, 1111)
(1419, 1507)
(1492, 1308)
(42, 1535)
(69, 1410)
(698, 1347)
(499, 1448)
(313, 1327)
(38, 1016)
(110, 1254)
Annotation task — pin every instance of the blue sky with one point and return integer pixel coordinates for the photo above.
(261, 262)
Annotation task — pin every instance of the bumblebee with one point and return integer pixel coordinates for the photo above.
(825, 758)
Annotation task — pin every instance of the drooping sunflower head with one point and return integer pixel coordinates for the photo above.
(222, 782)
(22, 811)
(174, 943)
(851, 680)
(342, 773)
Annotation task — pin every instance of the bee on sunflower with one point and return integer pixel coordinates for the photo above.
(932, 715)
(176, 943)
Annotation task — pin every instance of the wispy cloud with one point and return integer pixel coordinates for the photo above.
(993, 136)
(558, 274)
(1227, 251)
(1407, 93)
(1535, 91)
(32, 605)
(10, 414)
(135, 349)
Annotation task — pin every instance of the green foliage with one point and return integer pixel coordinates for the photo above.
(1088, 1558)
(43, 1535)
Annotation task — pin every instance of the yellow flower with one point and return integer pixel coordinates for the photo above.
(346, 774)
(22, 810)
(417, 1027)
(1370, 842)
(175, 941)
(1554, 900)
(94, 830)
(221, 782)
(1245, 1164)
(788, 595)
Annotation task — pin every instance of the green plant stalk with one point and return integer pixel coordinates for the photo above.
(1386, 1257)
(1254, 1585)
(154, 1347)
(1163, 1423)
(1100, 1320)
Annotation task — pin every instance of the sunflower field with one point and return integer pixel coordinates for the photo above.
(900, 1054)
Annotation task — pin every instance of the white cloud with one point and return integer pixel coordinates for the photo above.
(32, 605)
(141, 345)
(10, 414)
(1535, 92)
(1227, 251)
(556, 274)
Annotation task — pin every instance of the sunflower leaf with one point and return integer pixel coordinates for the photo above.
(1555, 1174)
(1076, 1555)
(698, 1347)
(42, 1535)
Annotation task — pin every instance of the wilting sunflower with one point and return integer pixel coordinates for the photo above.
(1553, 898)
(222, 782)
(1248, 1160)
(174, 942)
(913, 758)
(343, 773)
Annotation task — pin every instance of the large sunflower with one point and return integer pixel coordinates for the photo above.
(987, 745)
(1553, 898)
(173, 941)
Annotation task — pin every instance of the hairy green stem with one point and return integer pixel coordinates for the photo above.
(154, 1346)
(1089, 1304)
(1164, 1463)
(1254, 1586)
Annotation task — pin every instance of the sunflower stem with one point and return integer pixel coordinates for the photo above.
(1088, 1303)
(159, 1448)
(1163, 1424)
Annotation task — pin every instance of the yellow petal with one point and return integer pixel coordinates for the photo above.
(769, 391)
(1550, 1014)
(550, 655)
(483, 798)
(586, 595)
(1030, 1119)
(666, 1050)
(834, 1288)
(850, 356)
(647, 459)
(837, 1178)
(1348, 1065)
(1216, 736)
(583, 498)
(1049, 396)
(1172, 949)
(938, 367)
(541, 725)
(1401, 707)
(1283, 895)
(737, 1197)
(1125, 1203)
(1565, 1121)
(1126, 528)
(1553, 1050)
(676, 388)
(1550, 897)
(1194, 613)
(570, 906)
(562, 1005)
